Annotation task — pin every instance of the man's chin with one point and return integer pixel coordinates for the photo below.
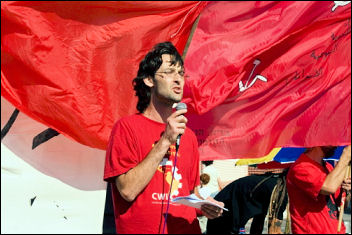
(173, 102)
(177, 99)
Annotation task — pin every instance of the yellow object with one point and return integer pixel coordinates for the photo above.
(267, 158)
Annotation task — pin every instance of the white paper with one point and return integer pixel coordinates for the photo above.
(193, 201)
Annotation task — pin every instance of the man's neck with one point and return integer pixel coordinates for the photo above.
(316, 154)
(158, 112)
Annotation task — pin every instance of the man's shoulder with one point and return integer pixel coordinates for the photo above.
(303, 164)
(302, 159)
(131, 117)
(128, 119)
(125, 122)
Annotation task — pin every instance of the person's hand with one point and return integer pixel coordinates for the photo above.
(176, 125)
(346, 184)
(274, 226)
(211, 211)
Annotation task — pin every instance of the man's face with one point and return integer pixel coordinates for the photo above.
(169, 81)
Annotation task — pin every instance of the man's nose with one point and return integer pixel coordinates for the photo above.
(178, 77)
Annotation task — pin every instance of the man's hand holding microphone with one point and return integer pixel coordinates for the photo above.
(176, 125)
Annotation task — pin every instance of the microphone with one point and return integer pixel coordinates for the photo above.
(179, 106)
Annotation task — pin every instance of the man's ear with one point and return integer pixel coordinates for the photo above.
(148, 81)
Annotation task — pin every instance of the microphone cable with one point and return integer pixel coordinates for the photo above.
(169, 196)
(179, 106)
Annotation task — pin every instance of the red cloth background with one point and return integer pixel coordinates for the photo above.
(304, 49)
(70, 65)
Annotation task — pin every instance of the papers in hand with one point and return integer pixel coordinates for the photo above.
(193, 201)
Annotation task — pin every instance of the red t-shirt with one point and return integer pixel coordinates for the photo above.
(311, 212)
(131, 140)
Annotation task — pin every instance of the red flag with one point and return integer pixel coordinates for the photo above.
(269, 74)
(70, 65)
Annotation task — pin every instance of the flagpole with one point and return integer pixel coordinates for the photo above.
(195, 24)
(343, 199)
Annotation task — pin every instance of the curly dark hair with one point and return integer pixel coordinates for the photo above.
(147, 68)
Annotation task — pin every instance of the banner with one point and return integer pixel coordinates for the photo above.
(267, 74)
(70, 65)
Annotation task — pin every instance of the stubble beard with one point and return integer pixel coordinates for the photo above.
(169, 99)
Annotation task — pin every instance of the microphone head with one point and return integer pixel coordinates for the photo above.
(180, 106)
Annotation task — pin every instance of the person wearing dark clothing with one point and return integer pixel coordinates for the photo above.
(248, 197)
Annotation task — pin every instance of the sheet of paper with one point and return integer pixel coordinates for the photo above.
(193, 201)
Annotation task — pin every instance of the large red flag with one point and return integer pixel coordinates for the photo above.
(70, 65)
(269, 74)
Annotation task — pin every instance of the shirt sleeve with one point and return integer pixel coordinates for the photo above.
(121, 154)
(309, 178)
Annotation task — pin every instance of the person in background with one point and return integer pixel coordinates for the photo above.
(215, 184)
(210, 186)
(249, 197)
(142, 150)
(204, 191)
(314, 190)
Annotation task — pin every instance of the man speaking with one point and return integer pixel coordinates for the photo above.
(143, 162)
